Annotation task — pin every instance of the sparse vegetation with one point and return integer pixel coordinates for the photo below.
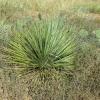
(49, 50)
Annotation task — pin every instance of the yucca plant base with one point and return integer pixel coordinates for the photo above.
(46, 85)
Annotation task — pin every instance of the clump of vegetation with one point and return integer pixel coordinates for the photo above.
(47, 44)
(44, 50)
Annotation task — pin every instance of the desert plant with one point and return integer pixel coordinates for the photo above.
(47, 44)
(44, 50)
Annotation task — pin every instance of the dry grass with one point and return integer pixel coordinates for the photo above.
(82, 83)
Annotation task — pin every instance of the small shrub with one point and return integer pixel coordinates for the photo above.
(47, 44)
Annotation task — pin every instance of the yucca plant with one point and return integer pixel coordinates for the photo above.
(46, 44)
